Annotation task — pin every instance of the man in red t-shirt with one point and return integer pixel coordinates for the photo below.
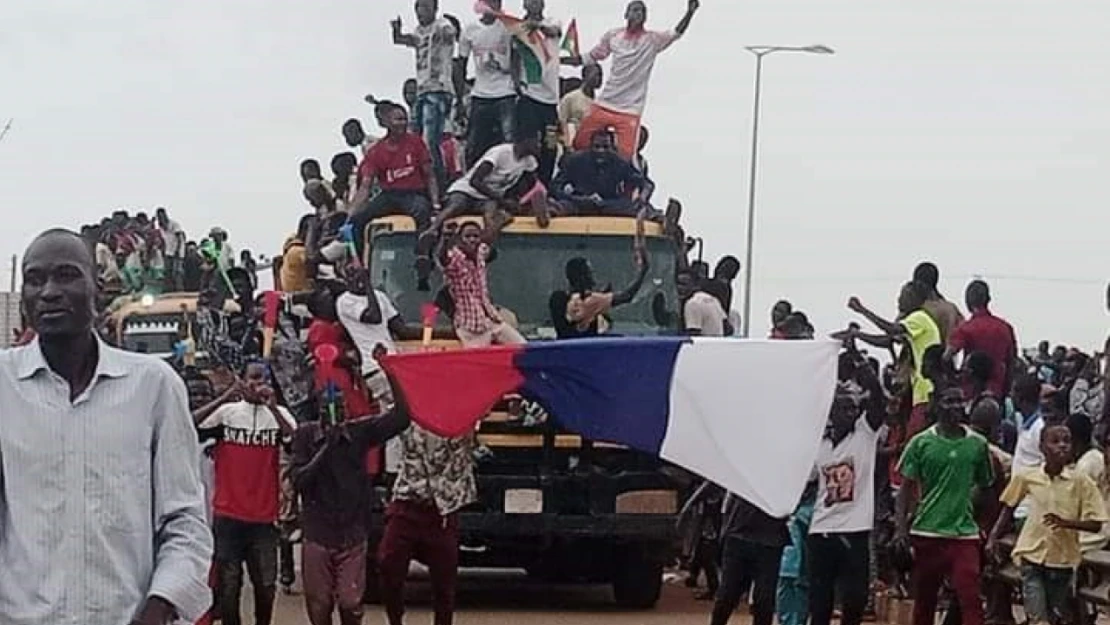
(402, 167)
(251, 428)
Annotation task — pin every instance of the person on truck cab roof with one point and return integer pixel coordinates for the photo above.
(402, 167)
(634, 50)
(492, 119)
(503, 175)
(598, 181)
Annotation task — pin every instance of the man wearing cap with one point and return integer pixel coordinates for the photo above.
(225, 255)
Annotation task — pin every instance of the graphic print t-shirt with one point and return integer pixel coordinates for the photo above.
(846, 478)
(247, 454)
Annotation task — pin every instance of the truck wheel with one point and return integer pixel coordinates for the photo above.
(638, 580)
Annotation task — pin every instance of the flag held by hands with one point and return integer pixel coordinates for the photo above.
(747, 415)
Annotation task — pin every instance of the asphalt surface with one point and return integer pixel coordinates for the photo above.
(504, 598)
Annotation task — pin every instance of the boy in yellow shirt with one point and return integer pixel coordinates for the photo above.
(1062, 503)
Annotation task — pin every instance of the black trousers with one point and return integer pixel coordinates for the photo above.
(253, 544)
(492, 122)
(415, 204)
(747, 565)
(838, 563)
(539, 120)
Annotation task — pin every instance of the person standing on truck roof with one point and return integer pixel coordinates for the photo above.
(598, 181)
(402, 169)
(329, 472)
(433, 41)
(436, 480)
(493, 98)
(477, 322)
(102, 498)
(536, 81)
(246, 503)
(634, 49)
(174, 240)
(575, 105)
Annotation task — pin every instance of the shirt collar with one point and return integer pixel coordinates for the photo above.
(108, 361)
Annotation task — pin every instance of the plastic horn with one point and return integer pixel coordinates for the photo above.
(326, 356)
(271, 302)
(428, 314)
(347, 235)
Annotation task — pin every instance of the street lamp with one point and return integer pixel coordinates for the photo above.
(760, 52)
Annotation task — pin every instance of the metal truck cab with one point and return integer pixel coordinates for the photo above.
(563, 508)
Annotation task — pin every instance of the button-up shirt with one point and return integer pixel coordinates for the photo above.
(467, 281)
(436, 470)
(101, 502)
(1070, 496)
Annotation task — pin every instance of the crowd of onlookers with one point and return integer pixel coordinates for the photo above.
(926, 465)
(138, 254)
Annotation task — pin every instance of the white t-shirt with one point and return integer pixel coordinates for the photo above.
(490, 44)
(507, 171)
(703, 312)
(626, 86)
(435, 53)
(366, 336)
(546, 91)
(846, 483)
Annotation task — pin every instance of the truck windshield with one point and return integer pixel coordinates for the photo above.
(528, 268)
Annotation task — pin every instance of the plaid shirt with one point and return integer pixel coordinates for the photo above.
(469, 287)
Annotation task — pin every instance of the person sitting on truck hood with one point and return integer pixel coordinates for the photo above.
(477, 322)
(585, 308)
(598, 181)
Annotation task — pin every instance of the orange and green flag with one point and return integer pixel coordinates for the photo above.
(534, 49)
(570, 40)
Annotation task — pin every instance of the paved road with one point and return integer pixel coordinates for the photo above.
(504, 599)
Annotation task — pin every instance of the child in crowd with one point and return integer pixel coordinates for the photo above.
(1061, 503)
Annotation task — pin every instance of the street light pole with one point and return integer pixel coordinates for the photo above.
(760, 52)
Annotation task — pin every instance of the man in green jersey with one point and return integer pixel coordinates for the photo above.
(943, 467)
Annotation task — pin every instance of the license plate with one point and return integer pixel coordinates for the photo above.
(523, 501)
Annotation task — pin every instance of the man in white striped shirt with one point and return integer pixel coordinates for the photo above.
(101, 504)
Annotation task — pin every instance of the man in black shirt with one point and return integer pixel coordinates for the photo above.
(753, 543)
(598, 181)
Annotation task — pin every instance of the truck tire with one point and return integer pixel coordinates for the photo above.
(638, 580)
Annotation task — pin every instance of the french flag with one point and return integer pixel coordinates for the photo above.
(747, 415)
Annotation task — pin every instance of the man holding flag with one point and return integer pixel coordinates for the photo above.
(634, 49)
(536, 71)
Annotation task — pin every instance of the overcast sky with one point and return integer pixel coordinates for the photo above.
(971, 132)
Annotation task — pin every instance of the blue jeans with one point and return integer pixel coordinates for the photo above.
(1047, 592)
(430, 119)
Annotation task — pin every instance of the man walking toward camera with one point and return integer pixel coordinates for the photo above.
(102, 504)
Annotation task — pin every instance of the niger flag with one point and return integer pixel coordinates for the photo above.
(534, 49)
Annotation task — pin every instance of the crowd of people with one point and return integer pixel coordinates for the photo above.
(926, 465)
(138, 254)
